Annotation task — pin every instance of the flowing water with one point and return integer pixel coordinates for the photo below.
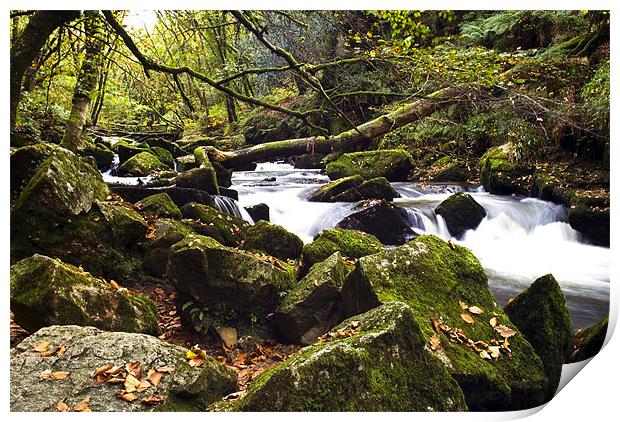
(518, 241)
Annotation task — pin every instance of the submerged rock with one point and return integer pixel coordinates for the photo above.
(314, 305)
(46, 291)
(540, 313)
(589, 341)
(142, 164)
(501, 174)
(350, 243)
(446, 287)
(159, 205)
(394, 165)
(208, 221)
(86, 349)
(377, 363)
(381, 219)
(273, 239)
(461, 213)
(226, 280)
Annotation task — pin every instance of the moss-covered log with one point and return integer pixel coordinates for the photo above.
(351, 140)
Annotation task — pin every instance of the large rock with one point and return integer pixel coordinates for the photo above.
(227, 280)
(103, 240)
(202, 178)
(540, 313)
(164, 156)
(353, 189)
(208, 221)
(170, 146)
(379, 218)
(159, 205)
(502, 174)
(372, 362)
(394, 165)
(461, 213)
(273, 239)
(127, 149)
(258, 212)
(448, 169)
(46, 291)
(86, 349)
(24, 162)
(589, 341)
(101, 153)
(156, 250)
(314, 305)
(446, 287)
(350, 243)
(142, 164)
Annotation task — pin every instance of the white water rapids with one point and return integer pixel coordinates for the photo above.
(518, 241)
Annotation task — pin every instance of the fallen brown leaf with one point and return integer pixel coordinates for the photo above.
(128, 397)
(60, 375)
(134, 369)
(42, 347)
(475, 310)
(493, 322)
(82, 406)
(463, 305)
(435, 342)
(152, 400)
(467, 318)
(504, 331)
(154, 377)
(131, 383)
(62, 407)
(101, 370)
(45, 374)
(165, 369)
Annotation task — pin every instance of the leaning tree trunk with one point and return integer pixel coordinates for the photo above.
(28, 44)
(86, 84)
(351, 140)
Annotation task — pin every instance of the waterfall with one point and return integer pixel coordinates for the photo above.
(110, 176)
(230, 206)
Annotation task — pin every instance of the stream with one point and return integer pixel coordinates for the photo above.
(518, 241)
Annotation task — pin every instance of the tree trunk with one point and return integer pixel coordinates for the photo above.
(351, 140)
(86, 84)
(28, 44)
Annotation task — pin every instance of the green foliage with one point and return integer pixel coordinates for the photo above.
(409, 28)
(596, 95)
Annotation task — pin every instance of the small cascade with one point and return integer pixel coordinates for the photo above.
(230, 206)
(425, 222)
(111, 177)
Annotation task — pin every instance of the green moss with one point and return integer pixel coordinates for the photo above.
(382, 368)
(395, 165)
(159, 205)
(225, 279)
(350, 243)
(500, 173)
(202, 178)
(589, 341)
(164, 156)
(46, 291)
(432, 276)
(273, 239)
(541, 314)
(208, 221)
(142, 164)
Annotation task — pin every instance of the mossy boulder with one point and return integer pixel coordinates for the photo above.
(226, 229)
(502, 174)
(127, 149)
(541, 314)
(353, 189)
(380, 218)
(442, 282)
(46, 291)
(142, 164)
(591, 220)
(226, 280)
(350, 243)
(378, 363)
(202, 178)
(223, 175)
(394, 165)
(87, 348)
(169, 146)
(273, 239)
(589, 341)
(156, 250)
(24, 162)
(101, 153)
(314, 305)
(461, 213)
(448, 169)
(159, 205)
(102, 240)
(164, 156)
